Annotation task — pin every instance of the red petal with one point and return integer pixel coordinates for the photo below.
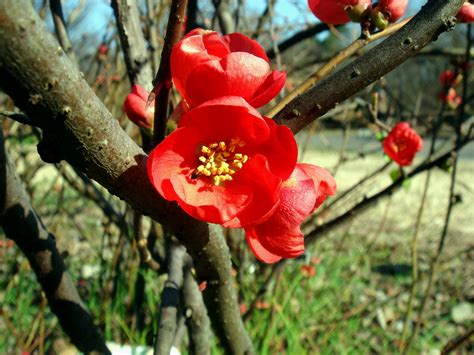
(264, 187)
(281, 150)
(237, 42)
(260, 252)
(323, 181)
(225, 118)
(269, 89)
(237, 74)
(134, 107)
(191, 51)
(328, 11)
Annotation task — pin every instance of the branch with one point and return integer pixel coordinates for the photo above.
(433, 19)
(196, 314)
(47, 86)
(162, 80)
(170, 300)
(133, 43)
(22, 224)
(298, 37)
(60, 27)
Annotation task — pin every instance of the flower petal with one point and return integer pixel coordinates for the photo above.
(265, 188)
(269, 89)
(323, 181)
(260, 252)
(237, 74)
(237, 42)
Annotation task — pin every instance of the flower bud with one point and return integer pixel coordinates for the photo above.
(466, 13)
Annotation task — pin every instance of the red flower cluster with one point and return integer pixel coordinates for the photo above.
(225, 163)
(338, 12)
(448, 79)
(402, 143)
(466, 13)
(206, 66)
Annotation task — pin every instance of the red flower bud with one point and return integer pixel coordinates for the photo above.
(334, 11)
(103, 49)
(225, 163)
(135, 107)
(392, 9)
(280, 235)
(402, 143)
(448, 78)
(206, 66)
(450, 97)
(466, 13)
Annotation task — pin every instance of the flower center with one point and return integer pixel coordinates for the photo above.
(219, 161)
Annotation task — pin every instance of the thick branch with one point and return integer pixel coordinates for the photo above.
(22, 224)
(46, 85)
(434, 18)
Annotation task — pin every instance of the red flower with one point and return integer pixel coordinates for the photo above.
(206, 66)
(225, 163)
(135, 107)
(333, 11)
(103, 49)
(308, 270)
(402, 143)
(450, 97)
(466, 13)
(448, 78)
(280, 235)
(392, 9)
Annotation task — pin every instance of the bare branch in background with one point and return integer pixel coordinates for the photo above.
(61, 30)
(170, 300)
(133, 43)
(224, 16)
(22, 224)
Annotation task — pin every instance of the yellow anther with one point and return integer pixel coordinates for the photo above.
(219, 162)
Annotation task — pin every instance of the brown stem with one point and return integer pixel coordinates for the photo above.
(22, 224)
(60, 27)
(162, 83)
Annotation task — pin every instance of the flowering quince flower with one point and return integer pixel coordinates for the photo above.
(466, 13)
(334, 11)
(388, 11)
(225, 163)
(206, 66)
(448, 78)
(280, 235)
(402, 143)
(135, 107)
(450, 97)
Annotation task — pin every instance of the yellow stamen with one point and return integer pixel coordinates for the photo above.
(220, 162)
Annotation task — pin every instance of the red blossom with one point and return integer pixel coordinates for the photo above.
(466, 13)
(206, 66)
(225, 163)
(334, 11)
(103, 49)
(392, 9)
(308, 270)
(448, 78)
(280, 236)
(136, 109)
(402, 143)
(450, 97)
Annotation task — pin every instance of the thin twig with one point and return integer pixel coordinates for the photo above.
(61, 29)
(327, 68)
